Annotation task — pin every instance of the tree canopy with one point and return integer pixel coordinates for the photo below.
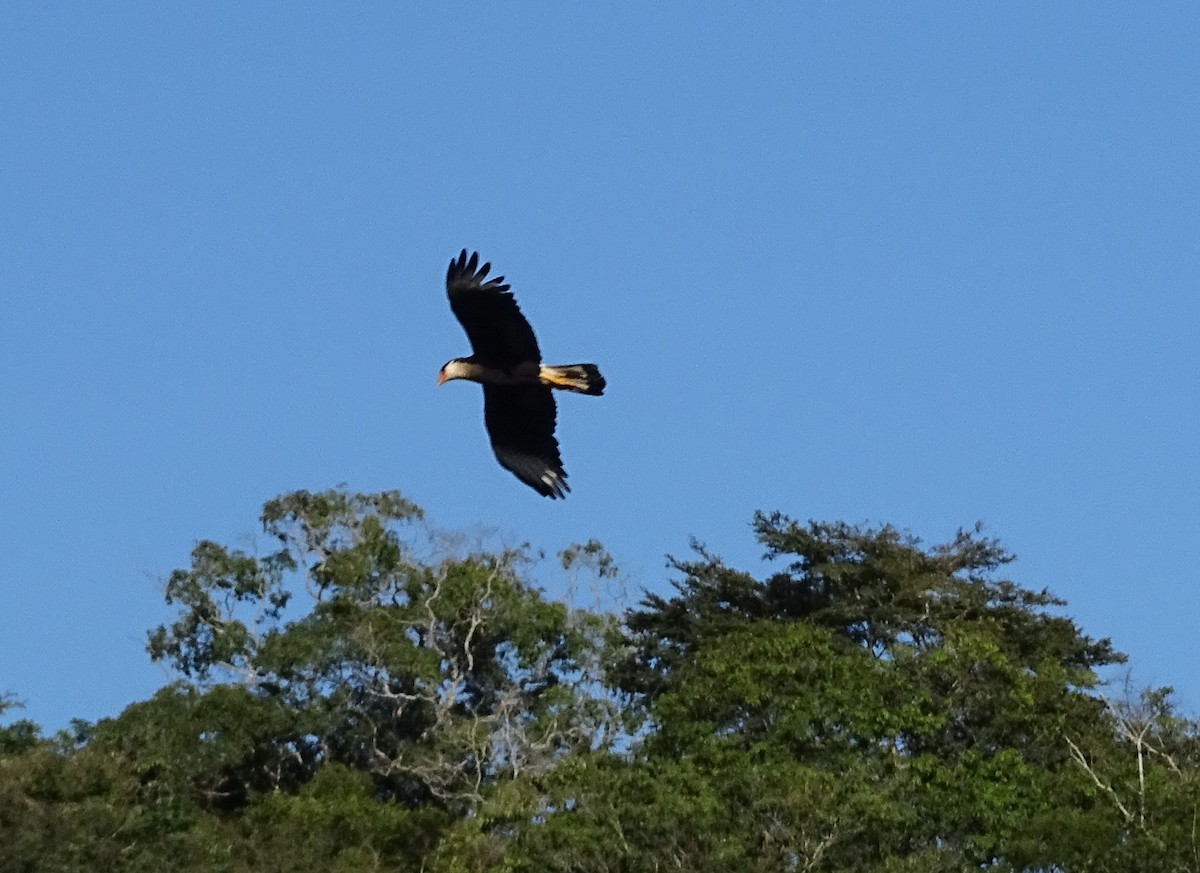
(368, 694)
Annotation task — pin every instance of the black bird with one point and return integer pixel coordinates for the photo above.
(518, 408)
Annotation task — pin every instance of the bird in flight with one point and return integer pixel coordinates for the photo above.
(518, 409)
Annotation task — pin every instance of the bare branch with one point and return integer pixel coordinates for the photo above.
(1079, 758)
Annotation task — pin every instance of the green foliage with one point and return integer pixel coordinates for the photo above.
(928, 698)
(18, 737)
(433, 677)
(360, 697)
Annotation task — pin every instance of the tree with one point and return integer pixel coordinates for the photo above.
(872, 706)
(367, 694)
(435, 678)
(342, 702)
(1146, 777)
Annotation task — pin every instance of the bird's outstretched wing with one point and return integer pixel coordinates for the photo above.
(498, 332)
(520, 422)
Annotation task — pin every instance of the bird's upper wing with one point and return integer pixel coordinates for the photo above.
(498, 331)
(520, 421)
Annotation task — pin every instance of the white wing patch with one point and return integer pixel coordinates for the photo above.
(534, 472)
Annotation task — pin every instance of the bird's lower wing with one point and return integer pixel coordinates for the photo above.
(520, 422)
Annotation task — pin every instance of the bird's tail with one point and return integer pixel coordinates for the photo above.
(581, 378)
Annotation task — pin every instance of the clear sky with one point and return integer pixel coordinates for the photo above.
(919, 264)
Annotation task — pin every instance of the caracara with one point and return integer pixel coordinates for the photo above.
(518, 408)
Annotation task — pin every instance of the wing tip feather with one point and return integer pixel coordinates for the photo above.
(465, 272)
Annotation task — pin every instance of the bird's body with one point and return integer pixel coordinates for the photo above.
(518, 407)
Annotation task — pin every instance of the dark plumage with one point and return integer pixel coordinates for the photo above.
(518, 407)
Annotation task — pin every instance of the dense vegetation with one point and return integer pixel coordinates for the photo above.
(372, 696)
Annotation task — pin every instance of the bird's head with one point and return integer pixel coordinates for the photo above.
(455, 368)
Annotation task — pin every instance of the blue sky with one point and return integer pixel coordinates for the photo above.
(922, 264)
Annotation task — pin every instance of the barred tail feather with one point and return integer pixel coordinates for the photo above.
(581, 378)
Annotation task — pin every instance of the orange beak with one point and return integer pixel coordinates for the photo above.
(441, 377)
